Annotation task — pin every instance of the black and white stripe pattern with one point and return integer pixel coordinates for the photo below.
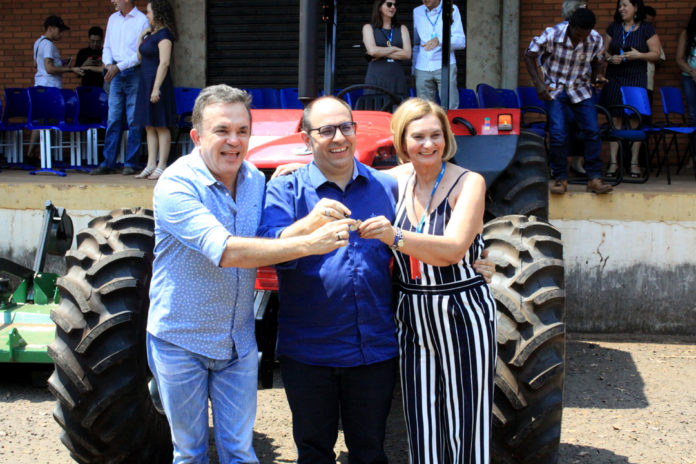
(446, 332)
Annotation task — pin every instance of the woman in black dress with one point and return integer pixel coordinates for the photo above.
(388, 43)
(155, 107)
(629, 44)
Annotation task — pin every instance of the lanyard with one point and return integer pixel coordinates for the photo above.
(433, 23)
(624, 36)
(389, 38)
(432, 194)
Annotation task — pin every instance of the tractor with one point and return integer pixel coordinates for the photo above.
(27, 328)
(106, 403)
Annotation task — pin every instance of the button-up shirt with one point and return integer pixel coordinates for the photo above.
(194, 303)
(335, 309)
(121, 41)
(567, 67)
(428, 24)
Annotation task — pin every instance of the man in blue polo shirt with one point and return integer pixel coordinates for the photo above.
(336, 338)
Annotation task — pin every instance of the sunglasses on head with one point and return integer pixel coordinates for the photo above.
(390, 4)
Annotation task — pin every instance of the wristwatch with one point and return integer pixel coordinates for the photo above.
(398, 239)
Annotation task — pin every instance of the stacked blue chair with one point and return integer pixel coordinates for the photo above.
(530, 104)
(46, 114)
(74, 128)
(93, 114)
(636, 104)
(256, 98)
(271, 98)
(673, 104)
(14, 121)
(467, 99)
(289, 99)
(185, 98)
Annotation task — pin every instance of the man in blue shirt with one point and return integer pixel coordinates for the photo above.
(336, 338)
(201, 343)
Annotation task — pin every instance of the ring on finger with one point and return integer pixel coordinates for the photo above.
(338, 237)
(327, 212)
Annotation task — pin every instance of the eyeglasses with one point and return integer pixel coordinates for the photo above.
(329, 131)
(390, 4)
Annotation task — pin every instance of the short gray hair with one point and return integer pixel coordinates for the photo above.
(569, 7)
(221, 93)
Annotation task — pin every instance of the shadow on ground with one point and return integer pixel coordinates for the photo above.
(599, 377)
(577, 454)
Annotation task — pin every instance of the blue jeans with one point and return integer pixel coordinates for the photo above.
(561, 112)
(186, 380)
(122, 95)
(689, 87)
(318, 395)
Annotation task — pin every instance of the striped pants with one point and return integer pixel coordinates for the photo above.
(447, 351)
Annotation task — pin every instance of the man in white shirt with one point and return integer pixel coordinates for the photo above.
(120, 57)
(427, 50)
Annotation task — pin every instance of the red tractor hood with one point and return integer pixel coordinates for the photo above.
(276, 137)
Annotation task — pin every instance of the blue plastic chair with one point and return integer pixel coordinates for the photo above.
(13, 123)
(271, 98)
(673, 104)
(636, 104)
(185, 98)
(289, 99)
(256, 98)
(490, 97)
(74, 128)
(467, 99)
(46, 114)
(93, 114)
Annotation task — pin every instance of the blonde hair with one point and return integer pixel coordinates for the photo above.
(417, 108)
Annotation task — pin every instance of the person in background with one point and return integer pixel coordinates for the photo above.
(572, 59)
(200, 328)
(389, 44)
(89, 59)
(49, 66)
(686, 61)
(120, 57)
(629, 43)
(650, 15)
(427, 50)
(155, 108)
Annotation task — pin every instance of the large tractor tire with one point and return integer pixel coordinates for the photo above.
(101, 373)
(529, 291)
(523, 188)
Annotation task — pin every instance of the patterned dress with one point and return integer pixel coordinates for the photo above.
(447, 346)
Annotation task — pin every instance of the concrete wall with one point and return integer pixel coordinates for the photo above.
(188, 65)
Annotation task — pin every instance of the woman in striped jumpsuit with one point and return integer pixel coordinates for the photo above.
(445, 313)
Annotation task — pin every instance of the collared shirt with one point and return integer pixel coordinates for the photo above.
(428, 24)
(567, 67)
(335, 309)
(121, 41)
(194, 303)
(45, 48)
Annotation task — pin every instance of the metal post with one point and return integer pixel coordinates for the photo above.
(330, 13)
(307, 63)
(446, 39)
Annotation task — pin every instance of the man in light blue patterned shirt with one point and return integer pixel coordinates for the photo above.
(200, 327)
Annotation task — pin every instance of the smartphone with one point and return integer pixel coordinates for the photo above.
(69, 62)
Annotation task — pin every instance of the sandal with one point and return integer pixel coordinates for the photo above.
(156, 174)
(144, 173)
(611, 172)
(634, 174)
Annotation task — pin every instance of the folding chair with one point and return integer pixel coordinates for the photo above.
(14, 121)
(185, 98)
(93, 114)
(673, 104)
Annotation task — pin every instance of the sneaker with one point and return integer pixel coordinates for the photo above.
(597, 186)
(128, 171)
(101, 170)
(558, 186)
